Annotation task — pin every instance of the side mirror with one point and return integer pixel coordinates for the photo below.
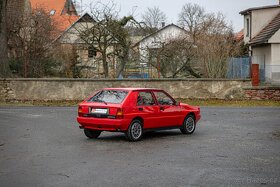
(178, 103)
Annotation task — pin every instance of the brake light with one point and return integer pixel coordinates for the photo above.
(80, 111)
(119, 114)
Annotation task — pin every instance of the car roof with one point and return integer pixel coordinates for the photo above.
(134, 89)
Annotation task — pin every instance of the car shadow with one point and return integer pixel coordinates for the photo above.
(161, 134)
(146, 136)
(114, 137)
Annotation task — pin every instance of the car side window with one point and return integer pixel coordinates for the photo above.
(145, 98)
(163, 99)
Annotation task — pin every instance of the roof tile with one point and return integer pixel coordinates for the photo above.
(267, 32)
(239, 36)
(62, 19)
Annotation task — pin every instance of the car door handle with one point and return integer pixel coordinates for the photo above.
(140, 109)
(161, 108)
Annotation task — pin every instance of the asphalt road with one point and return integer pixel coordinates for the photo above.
(43, 146)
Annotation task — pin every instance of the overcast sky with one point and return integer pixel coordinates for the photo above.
(172, 8)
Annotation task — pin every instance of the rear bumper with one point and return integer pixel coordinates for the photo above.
(103, 124)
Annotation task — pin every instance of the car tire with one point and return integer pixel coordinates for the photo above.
(92, 134)
(189, 125)
(135, 131)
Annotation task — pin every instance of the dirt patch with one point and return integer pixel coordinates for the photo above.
(276, 134)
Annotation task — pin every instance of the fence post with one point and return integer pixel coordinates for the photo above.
(255, 75)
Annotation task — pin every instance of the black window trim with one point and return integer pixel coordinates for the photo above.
(153, 96)
(174, 101)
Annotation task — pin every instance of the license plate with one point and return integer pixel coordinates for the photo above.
(99, 110)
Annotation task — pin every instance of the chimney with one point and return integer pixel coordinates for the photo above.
(163, 23)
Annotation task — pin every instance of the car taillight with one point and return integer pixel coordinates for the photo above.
(80, 111)
(119, 114)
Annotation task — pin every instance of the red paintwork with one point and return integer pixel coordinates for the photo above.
(152, 116)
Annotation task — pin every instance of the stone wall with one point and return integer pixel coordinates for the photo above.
(78, 89)
(262, 93)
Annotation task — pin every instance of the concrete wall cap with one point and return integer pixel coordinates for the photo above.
(262, 88)
(100, 80)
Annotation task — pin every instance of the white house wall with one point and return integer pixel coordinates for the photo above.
(275, 64)
(72, 36)
(260, 19)
(262, 56)
(275, 38)
(157, 40)
(246, 37)
(269, 59)
(275, 54)
(164, 35)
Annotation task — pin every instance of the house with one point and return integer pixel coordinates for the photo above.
(86, 56)
(62, 12)
(90, 48)
(32, 26)
(79, 39)
(157, 39)
(149, 46)
(262, 34)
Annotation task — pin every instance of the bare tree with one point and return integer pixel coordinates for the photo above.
(107, 35)
(217, 45)
(154, 17)
(4, 67)
(212, 36)
(192, 18)
(121, 34)
(179, 55)
(96, 34)
(31, 39)
(68, 57)
(174, 58)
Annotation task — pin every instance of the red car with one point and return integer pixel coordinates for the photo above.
(133, 111)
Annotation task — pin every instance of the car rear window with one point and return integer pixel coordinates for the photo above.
(109, 96)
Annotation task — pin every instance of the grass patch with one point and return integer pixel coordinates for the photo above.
(236, 103)
(196, 102)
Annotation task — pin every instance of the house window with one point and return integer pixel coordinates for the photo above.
(91, 52)
(153, 54)
(247, 27)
